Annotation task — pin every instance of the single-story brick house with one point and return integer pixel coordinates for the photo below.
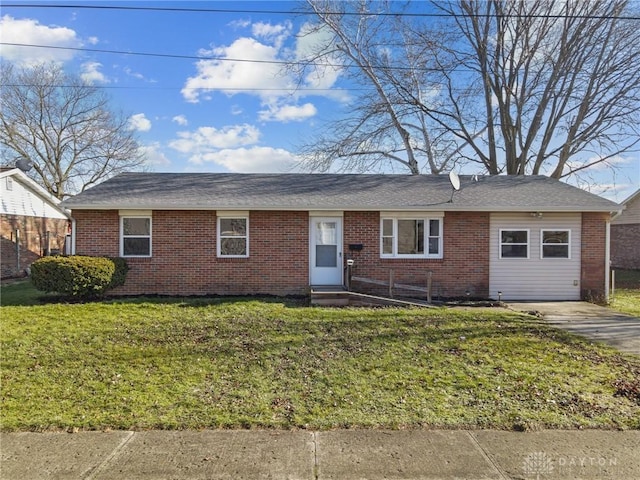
(32, 222)
(528, 237)
(625, 234)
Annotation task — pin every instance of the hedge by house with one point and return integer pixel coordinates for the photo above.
(78, 275)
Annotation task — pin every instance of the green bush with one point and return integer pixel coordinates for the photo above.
(120, 273)
(77, 275)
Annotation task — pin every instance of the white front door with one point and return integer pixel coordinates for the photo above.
(326, 251)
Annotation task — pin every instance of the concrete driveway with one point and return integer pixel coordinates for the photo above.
(592, 321)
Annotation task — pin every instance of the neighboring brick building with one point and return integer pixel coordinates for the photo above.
(625, 235)
(32, 223)
(195, 234)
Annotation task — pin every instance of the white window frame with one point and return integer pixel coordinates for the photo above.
(568, 244)
(9, 184)
(235, 216)
(528, 244)
(122, 236)
(427, 221)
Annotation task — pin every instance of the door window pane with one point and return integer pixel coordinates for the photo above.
(326, 256)
(326, 233)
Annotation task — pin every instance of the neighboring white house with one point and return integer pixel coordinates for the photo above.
(32, 222)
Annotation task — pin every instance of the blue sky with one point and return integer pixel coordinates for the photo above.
(201, 115)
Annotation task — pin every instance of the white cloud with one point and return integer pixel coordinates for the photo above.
(133, 74)
(325, 74)
(205, 140)
(239, 23)
(232, 147)
(139, 122)
(252, 76)
(267, 30)
(154, 156)
(275, 34)
(30, 31)
(253, 66)
(91, 73)
(288, 113)
(93, 40)
(252, 160)
(596, 164)
(180, 120)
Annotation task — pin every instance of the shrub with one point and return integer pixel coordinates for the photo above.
(120, 273)
(78, 276)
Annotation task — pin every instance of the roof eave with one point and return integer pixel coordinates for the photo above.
(415, 208)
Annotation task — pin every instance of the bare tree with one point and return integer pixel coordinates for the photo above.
(381, 129)
(516, 87)
(64, 127)
(556, 85)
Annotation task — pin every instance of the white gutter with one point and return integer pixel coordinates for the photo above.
(73, 236)
(607, 260)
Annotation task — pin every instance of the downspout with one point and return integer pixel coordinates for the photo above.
(73, 236)
(607, 259)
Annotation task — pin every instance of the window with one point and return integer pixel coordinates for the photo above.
(135, 236)
(9, 183)
(555, 243)
(514, 243)
(411, 237)
(233, 237)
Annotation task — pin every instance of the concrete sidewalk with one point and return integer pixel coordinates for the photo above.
(592, 321)
(340, 454)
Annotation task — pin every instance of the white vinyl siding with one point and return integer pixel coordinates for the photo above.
(535, 278)
(22, 201)
(631, 213)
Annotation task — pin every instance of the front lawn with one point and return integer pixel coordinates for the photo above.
(278, 364)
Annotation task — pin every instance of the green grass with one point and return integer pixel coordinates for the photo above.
(626, 297)
(176, 364)
(20, 292)
(627, 301)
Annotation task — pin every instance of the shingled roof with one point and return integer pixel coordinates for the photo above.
(211, 191)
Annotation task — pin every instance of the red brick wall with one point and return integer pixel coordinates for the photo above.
(625, 245)
(464, 267)
(184, 260)
(593, 255)
(32, 241)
